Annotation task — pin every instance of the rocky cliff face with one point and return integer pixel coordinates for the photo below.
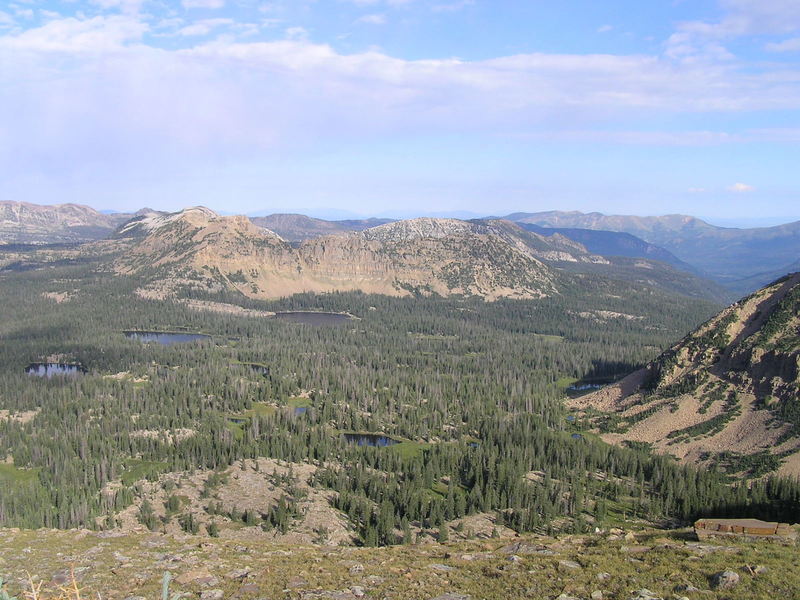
(727, 394)
(23, 223)
(442, 256)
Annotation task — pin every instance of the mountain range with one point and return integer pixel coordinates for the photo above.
(24, 223)
(740, 259)
(488, 258)
(678, 251)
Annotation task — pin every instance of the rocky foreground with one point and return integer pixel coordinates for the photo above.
(645, 565)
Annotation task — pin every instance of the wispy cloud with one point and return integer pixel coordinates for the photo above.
(741, 188)
(705, 39)
(790, 45)
(211, 4)
(375, 19)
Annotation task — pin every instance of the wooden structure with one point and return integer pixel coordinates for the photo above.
(744, 528)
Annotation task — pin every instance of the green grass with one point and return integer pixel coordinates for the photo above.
(409, 449)
(9, 474)
(564, 382)
(235, 429)
(549, 338)
(298, 402)
(136, 469)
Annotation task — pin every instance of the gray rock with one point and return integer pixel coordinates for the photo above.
(248, 588)
(514, 558)
(686, 587)
(566, 597)
(603, 576)
(238, 574)
(356, 569)
(760, 570)
(644, 594)
(135, 598)
(568, 565)
(211, 595)
(358, 591)
(452, 596)
(441, 567)
(724, 580)
(597, 595)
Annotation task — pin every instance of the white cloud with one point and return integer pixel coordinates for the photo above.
(212, 4)
(91, 92)
(6, 19)
(203, 27)
(741, 188)
(696, 190)
(705, 39)
(296, 33)
(790, 45)
(372, 19)
(452, 6)
(70, 35)
(604, 28)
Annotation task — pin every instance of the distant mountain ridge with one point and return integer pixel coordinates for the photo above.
(727, 394)
(613, 243)
(742, 259)
(198, 247)
(298, 228)
(488, 258)
(25, 223)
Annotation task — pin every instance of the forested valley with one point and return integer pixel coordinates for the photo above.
(470, 391)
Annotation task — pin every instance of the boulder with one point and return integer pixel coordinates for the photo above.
(724, 580)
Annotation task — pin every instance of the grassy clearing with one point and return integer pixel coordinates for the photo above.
(136, 469)
(10, 475)
(549, 338)
(564, 382)
(298, 402)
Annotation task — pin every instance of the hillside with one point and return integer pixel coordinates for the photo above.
(199, 248)
(729, 255)
(298, 228)
(726, 395)
(24, 223)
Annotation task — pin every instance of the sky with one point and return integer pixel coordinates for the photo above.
(401, 107)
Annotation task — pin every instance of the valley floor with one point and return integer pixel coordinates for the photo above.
(670, 564)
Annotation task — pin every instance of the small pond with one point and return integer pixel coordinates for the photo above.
(54, 369)
(165, 338)
(577, 436)
(313, 318)
(585, 386)
(369, 439)
(301, 410)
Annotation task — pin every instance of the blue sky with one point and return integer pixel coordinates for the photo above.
(404, 106)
